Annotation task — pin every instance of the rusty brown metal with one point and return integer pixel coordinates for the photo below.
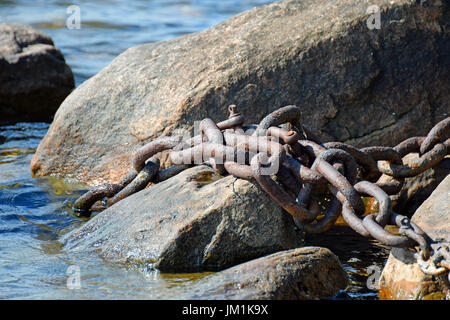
(439, 133)
(342, 183)
(332, 214)
(298, 152)
(211, 131)
(384, 202)
(140, 182)
(152, 148)
(213, 134)
(235, 120)
(203, 152)
(385, 237)
(303, 173)
(409, 145)
(170, 172)
(277, 193)
(301, 166)
(367, 163)
(288, 180)
(288, 137)
(84, 203)
(314, 149)
(393, 156)
(238, 170)
(417, 166)
(290, 114)
(353, 220)
(438, 261)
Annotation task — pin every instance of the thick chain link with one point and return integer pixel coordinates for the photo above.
(302, 164)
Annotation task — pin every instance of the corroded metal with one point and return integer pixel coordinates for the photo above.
(409, 145)
(314, 149)
(417, 166)
(140, 182)
(152, 148)
(439, 133)
(291, 168)
(290, 114)
(344, 184)
(277, 193)
(170, 172)
(332, 214)
(365, 160)
(303, 173)
(84, 203)
(385, 237)
(235, 120)
(438, 262)
(214, 135)
(289, 137)
(288, 180)
(384, 202)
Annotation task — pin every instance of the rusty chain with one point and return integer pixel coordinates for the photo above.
(281, 147)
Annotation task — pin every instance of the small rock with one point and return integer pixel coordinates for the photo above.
(401, 277)
(34, 77)
(299, 274)
(194, 220)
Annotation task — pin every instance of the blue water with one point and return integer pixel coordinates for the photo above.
(109, 27)
(34, 213)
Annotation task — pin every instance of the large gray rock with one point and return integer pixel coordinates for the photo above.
(401, 277)
(193, 220)
(299, 274)
(34, 77)
(354, 84)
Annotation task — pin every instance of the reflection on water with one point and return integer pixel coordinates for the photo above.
(356, 254)
(34, 213)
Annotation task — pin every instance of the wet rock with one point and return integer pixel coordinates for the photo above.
(34, 78)
(354, 84)
(401, 277)
(298, 274)
(193, 220)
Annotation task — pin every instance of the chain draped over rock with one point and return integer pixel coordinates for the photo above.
(281, 147)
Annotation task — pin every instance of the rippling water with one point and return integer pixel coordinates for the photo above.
(109, 27)
(34, 213)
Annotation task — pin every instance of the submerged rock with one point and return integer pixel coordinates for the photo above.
(401, 277)
(193, 220)
(34, 77)
(356, 85)
(298, 274)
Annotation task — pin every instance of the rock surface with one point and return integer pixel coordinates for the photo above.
(355, 85)
(401, 277)
(193, 220)
(298, 274)
(34, 78)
